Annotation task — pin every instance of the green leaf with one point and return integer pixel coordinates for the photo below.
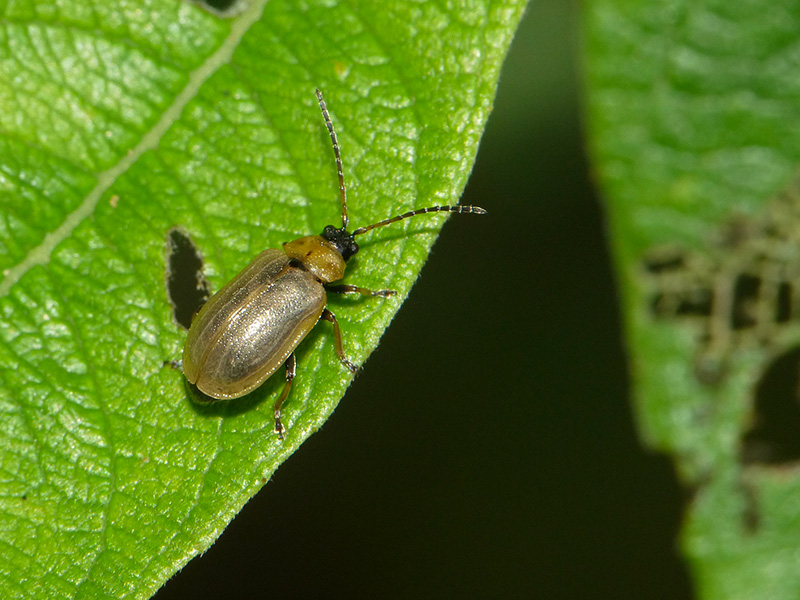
(120, 121)
(693, 118)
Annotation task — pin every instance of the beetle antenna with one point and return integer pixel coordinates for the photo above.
(338, 156)
(476, 210)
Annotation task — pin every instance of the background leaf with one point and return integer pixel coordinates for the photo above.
(122, 121)
(693, 117)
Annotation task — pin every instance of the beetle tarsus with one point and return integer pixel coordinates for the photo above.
(279, 428)
(175, 364)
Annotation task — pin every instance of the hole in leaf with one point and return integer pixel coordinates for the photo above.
(187, 288)
(695, 303)
(223, 8)
(745, 301)
(665, 260)
(774, 437)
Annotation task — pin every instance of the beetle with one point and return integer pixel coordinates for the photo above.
(251, 327)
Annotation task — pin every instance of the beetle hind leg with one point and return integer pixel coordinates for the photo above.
(337, 338)
(291, 370)
(354, 289)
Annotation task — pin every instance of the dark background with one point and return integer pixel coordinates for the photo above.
(488, 447)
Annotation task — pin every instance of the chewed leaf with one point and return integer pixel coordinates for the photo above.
(187, 286)
(691, 111)
(740, 290)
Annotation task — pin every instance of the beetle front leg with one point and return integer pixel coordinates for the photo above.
(291, 370)
(337, 338)
(354, 289)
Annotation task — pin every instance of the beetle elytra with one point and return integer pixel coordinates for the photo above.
(251, 327)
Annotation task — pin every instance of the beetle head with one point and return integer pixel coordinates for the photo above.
(344, 241)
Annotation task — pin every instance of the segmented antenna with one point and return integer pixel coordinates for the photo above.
(345, 219)
(338, 156)
(420, 211)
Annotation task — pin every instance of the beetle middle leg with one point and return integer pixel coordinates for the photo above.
(354, 289)
(337, 338)
(291, 370)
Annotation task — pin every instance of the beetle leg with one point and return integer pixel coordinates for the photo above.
(175, 364)
(337, 338)
(354, 289)
(291, 369)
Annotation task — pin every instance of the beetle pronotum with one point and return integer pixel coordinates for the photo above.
(253, 324)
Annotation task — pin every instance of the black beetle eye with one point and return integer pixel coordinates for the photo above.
(348, 247)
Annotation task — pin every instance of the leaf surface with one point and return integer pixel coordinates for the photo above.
(120, 121)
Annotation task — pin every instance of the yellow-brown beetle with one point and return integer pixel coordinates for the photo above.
(252, 325)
